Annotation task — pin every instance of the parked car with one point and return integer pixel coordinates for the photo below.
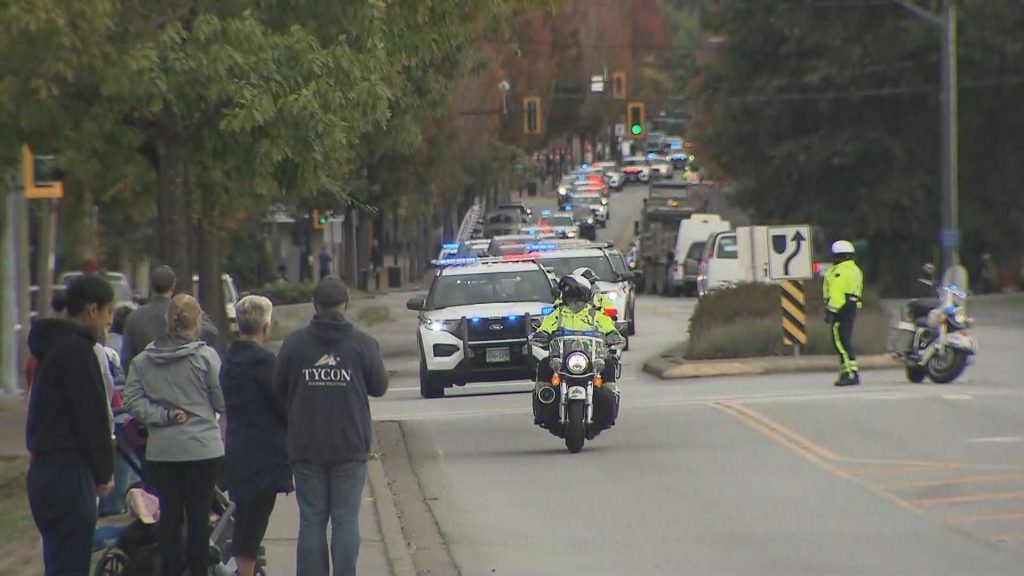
(123, 293)
(230, 298)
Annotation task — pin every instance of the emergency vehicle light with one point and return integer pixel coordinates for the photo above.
(547, 310)
(539, 247)
(456, 261)
(450, 246)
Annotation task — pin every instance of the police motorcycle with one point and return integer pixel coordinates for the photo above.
(579, 361)
(931, 337)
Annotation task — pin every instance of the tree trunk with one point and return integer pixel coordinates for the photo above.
(211, 293)
(173, 204)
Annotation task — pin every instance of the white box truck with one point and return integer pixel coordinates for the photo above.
(694, 230)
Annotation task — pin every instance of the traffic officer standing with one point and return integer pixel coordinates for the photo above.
(842, 291)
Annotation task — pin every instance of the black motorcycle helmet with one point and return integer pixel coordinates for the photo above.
(574, 288)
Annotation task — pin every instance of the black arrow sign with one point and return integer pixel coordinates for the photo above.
(798, 239)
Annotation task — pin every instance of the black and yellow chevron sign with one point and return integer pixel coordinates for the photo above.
(794, 312)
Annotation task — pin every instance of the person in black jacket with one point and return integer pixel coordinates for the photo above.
(69, 430)
(256, 460)
(326, 373)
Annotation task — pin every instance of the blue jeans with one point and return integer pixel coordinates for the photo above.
(332, 492)
(62, 497)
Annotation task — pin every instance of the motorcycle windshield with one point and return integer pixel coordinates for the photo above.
(589, 343)
(955, 278)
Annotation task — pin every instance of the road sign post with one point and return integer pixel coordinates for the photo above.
(794, 314)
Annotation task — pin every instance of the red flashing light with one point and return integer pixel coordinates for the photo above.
(519, 257)
(816, 267)
(612, 313)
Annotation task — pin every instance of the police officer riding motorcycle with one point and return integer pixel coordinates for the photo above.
(575, 396)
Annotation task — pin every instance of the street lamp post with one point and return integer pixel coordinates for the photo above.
(949, 237)
(504, 87)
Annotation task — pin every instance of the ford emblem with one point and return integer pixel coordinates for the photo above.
(497, 327)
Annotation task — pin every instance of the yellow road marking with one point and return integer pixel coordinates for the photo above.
(986, 517)
(951, 481)
(969, 498)
(813, 453)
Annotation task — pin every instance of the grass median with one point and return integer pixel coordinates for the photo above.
(745, 321)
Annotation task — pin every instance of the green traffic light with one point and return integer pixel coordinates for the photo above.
(636, 129)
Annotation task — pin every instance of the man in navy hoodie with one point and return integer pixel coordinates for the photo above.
(69, 429)
(325, 374)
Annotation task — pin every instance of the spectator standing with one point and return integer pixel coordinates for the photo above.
(325, 262)
(326, 373)
(149, 322)
(174, 389)
(256, 458)
(115, 339)
(68, 433)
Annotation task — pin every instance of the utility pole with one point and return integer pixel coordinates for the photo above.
(10, 360)
(949, 236)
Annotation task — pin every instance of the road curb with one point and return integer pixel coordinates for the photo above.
(395, 545)
(674, 369)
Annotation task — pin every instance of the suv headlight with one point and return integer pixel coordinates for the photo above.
(577, 362)
(450, 326)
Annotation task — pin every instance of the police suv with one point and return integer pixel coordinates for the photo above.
(475, 321)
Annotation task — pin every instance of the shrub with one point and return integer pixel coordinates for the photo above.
(746, 320)
(282, 293)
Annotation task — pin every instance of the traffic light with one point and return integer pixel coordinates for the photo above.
(532, 115)
(635, 119)
(40, 176)
(619, 85)
(319, 220)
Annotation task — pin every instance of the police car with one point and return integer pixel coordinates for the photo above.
(597, 204)
(475, 321)
(616, 280)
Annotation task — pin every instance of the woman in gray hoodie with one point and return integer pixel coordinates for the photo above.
(173, 388)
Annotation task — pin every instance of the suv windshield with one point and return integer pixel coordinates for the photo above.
(489, 287)
(598, 263)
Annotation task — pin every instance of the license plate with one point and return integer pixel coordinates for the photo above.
(498, 355)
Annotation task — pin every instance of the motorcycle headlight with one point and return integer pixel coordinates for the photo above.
(577, 362)
(555, 363)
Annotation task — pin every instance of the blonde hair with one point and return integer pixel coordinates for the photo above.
(253, 313)
(184, 316)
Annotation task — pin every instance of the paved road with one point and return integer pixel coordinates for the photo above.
(779, 474)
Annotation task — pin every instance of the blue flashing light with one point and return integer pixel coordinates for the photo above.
(539, 247)
(585, 166)
(513, 317)
(532, 231)
(456, 261)
(547, 310)
(650, 155)
(450, 246)
(567, 207)
(475, 320)
(545, 212)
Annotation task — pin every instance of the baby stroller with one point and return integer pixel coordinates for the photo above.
(134, 551)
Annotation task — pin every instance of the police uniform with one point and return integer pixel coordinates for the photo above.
(842, 291)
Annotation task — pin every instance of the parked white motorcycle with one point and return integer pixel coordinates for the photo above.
(931, 337)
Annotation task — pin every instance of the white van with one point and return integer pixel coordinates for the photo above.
(734, 257)
(696, 228)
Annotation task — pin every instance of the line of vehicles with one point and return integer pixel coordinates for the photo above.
(489, 293)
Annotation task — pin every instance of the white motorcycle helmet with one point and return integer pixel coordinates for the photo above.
(843, 247)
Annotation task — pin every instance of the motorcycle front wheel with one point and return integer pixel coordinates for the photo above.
(946, 367)
(574, 433)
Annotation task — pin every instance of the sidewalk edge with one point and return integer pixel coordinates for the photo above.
(395, 545)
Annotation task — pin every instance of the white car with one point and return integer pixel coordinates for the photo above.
(560, 224)
(475, 321)
(661, 167)
(636, 169)
(227, 284)
(612, 175)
